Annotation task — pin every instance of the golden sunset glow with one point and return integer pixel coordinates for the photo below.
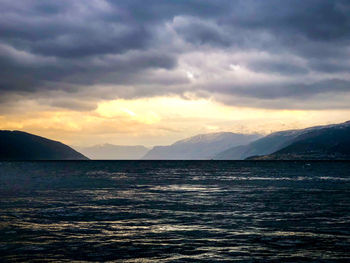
(158, 120)
(174, 131)
(125, 72)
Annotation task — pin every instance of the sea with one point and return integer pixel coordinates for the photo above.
(175, 211)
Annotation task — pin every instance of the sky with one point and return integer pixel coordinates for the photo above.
(152, 72)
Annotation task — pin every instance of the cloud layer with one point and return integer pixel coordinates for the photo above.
(268, 54)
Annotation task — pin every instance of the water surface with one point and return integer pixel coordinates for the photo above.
(173, 211)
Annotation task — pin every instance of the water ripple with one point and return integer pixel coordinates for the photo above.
(175, 211)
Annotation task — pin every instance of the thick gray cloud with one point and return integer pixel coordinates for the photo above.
(278, 91)
(147, 48)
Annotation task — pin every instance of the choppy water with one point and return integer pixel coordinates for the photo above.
(145, 211)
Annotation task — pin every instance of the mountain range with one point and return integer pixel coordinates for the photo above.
(200, 147)
(311, 143)
(327, 142)
(113, 152)
(17, 145)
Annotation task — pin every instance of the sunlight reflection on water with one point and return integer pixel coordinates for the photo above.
(175, 211)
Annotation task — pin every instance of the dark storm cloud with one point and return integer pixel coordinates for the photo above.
(71, 45)
(201, 32)
(294, 90)
(283, 68)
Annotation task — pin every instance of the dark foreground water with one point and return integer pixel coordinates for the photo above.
(175, 211)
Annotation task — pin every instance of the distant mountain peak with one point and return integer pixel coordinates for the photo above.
(201, 146)
(205, 137)
(109, 151)
(275, 142)
(329, 142)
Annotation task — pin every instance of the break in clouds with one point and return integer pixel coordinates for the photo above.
(269, 54)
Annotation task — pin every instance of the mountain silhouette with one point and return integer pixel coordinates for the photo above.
(328, 143)
(270, 143)
(199, 147)
(113, 152)
(17, 145)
